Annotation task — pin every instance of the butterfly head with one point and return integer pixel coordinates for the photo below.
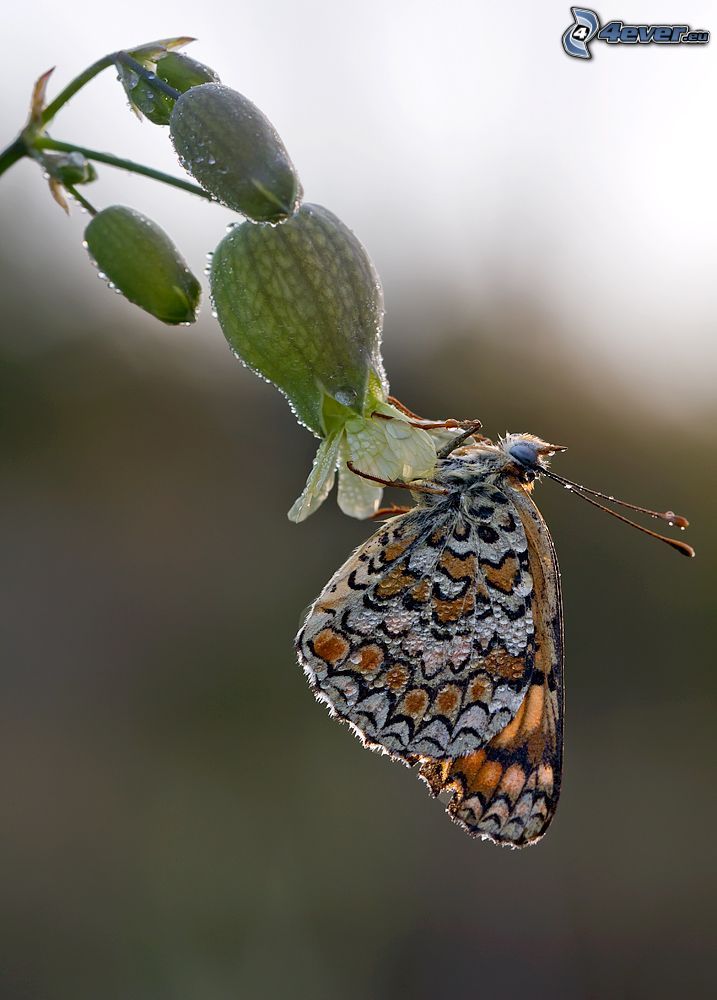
(527, 455)
(519, 457)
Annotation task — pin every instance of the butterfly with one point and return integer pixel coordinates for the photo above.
(440, 640)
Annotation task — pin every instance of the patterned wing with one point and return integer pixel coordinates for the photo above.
(508, 790)
(423, 640)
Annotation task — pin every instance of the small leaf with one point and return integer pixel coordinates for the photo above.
(232, 149)
(38, 98)
(141, 261)
(301, 304)
(320, 481)
(58, 193)
(154, 50)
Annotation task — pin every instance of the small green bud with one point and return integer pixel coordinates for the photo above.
(301, 304)
(182, 72)
(140, 260)
(148, 93)
(145, 95)
(227, 144)
(69, 168)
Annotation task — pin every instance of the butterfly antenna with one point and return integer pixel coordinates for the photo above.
(673, 519)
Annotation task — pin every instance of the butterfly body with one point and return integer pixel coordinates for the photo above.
(440, 642)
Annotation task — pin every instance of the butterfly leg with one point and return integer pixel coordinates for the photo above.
(416, 486)
(430, 425)
(427, 425)
(404, 409)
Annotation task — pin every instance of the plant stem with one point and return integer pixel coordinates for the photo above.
(71, 89)
(78, 197)
(11, 154)
(126, 59)
(44, 142)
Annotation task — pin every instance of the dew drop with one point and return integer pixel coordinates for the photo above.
(346, 395)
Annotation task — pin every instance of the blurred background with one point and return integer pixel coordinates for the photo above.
(180, 818)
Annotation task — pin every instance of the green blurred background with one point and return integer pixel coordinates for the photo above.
(180, 818)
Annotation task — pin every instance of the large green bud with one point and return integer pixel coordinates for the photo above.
(232, 149)
(301, 305)
(182, 72)
(140, 260)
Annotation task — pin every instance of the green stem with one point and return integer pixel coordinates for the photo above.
(126, 59)
(78, 197)
(18, 149)
(71, 89)
(12, 153)
(44, 142)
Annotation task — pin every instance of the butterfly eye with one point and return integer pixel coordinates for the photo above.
(529, 476)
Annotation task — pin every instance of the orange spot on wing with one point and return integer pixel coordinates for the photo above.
(502, 664)
(415, 703)
(481, 689)
(447, 700)
(513, 781)
(371, 659)
(330, 646)
(394, 582)
(396, 548)
(452, 610)
(469, 765)
(503, 577)
(396, 678)
(534, 708)
(458, 567)
(528, 727)
(421, 592)
(486, 780)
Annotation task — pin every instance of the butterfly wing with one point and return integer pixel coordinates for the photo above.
(424, 641)
(508, 790)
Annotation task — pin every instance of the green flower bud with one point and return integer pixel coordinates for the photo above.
(148, 94)
(301, 304)
(145, 95)
(233, 150)
(182, 72)
(69, 168)
(140, 260)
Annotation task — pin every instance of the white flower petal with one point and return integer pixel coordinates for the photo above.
(369, 449)
(415, 451)
(320, 481)
(390, 449)
(357, 497)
